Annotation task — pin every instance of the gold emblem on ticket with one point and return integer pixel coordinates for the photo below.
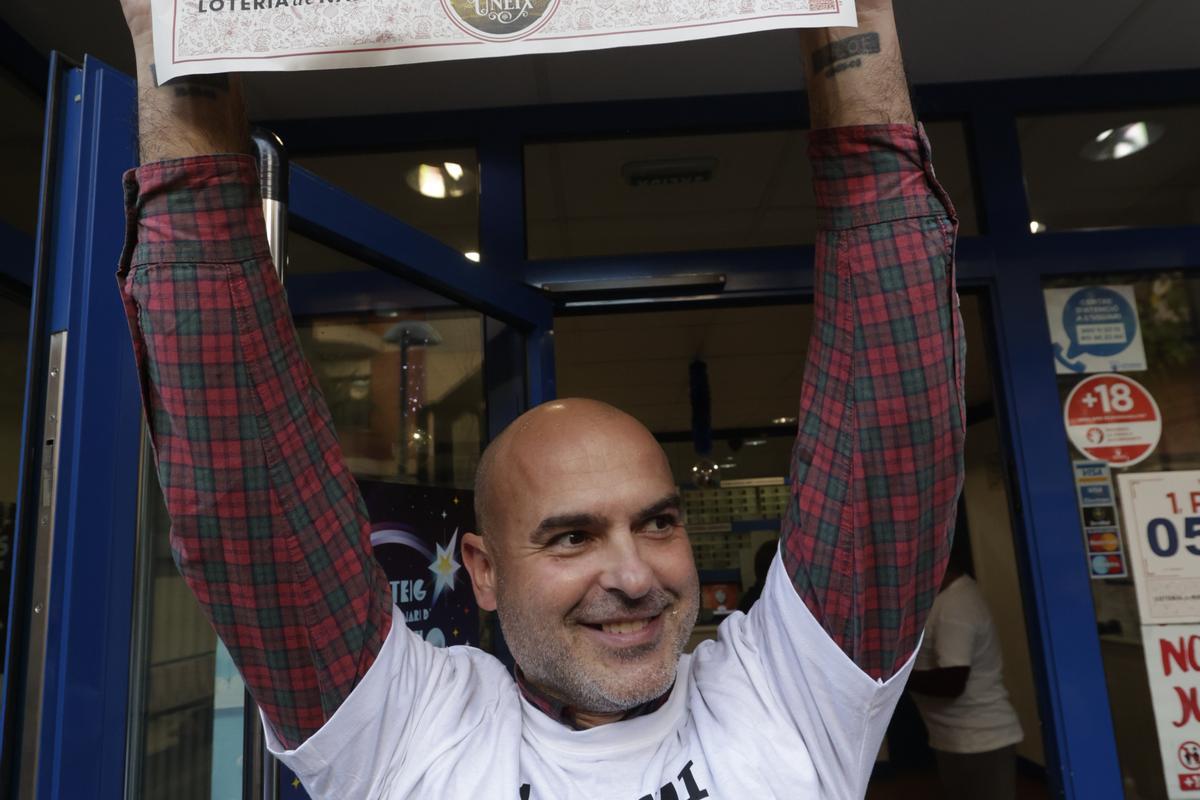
(500, 20)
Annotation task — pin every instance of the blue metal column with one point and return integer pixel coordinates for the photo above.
(1081, 751)
(502, 244)
(539, 361)
(502, 202)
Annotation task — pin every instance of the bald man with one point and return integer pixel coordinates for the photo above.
(581, 547)
(578, 497)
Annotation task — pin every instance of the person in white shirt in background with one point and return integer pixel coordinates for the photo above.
(958, 686)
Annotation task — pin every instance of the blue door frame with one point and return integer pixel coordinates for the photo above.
(82, 705)
(1007, 261)
(82, 679)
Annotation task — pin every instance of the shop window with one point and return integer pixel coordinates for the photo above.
(677, 193)
(404, 381)
(1127, 356)
(20, 159)
(434, 191)
(1112, 169)
(14, 337)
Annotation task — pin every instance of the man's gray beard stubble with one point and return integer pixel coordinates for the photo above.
(547, 662)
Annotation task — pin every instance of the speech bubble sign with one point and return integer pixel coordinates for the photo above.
(1099, 322)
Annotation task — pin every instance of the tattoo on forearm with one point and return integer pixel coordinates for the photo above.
(845, 53)
(206, 86)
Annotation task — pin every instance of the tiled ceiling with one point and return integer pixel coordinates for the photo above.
(759, 193)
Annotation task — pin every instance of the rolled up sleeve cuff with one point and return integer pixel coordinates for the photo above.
(866, 174)
(202, 209)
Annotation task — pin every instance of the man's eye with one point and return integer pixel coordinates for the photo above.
(569, 539)
(662, 523)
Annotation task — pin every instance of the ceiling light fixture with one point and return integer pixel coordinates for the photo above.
(472, 256)
(1122, 141)
(783, 421)
(754, 442)
(440, 181)
(1036, 227)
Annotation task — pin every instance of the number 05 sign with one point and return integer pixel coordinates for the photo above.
(1162, 527)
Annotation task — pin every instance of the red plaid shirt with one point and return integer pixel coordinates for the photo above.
(268, 528)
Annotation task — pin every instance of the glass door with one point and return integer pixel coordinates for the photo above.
(423, 355)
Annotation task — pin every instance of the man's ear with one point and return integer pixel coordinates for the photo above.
(482, 567)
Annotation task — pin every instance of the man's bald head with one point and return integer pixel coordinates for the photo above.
(585, 557)
(548, 431)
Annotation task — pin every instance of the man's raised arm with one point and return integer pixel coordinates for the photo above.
(268, 528)
(877, 464)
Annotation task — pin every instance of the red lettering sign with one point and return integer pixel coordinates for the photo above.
(1189, 705)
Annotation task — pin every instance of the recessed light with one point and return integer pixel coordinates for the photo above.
(440, 181)
(783, 420)
(472, 256)
(1122, 141)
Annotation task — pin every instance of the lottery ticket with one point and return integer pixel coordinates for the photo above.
(206, 36)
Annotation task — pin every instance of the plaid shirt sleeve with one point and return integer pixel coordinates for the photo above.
(268, 528)
(877, 463)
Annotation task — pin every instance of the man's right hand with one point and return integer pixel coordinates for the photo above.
(190, 116)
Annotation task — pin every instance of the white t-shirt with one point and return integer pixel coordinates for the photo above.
(960, 633)
(772, 709)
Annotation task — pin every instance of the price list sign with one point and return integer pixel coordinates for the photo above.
(1162, 530)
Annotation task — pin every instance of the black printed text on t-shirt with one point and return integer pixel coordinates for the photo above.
(668, 791)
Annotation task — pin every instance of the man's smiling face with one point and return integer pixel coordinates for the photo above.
(585, 556)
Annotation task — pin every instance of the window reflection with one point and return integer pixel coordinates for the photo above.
(435, 191)
(403, 379)
(187, 717)
(405, 388)
(1112, 169)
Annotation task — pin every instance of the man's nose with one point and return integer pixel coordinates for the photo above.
(625, 570)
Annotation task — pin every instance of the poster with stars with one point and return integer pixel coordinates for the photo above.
(416, 533)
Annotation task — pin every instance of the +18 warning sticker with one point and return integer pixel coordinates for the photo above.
(1112, 418)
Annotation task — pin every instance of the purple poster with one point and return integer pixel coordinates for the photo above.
(416, 532)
